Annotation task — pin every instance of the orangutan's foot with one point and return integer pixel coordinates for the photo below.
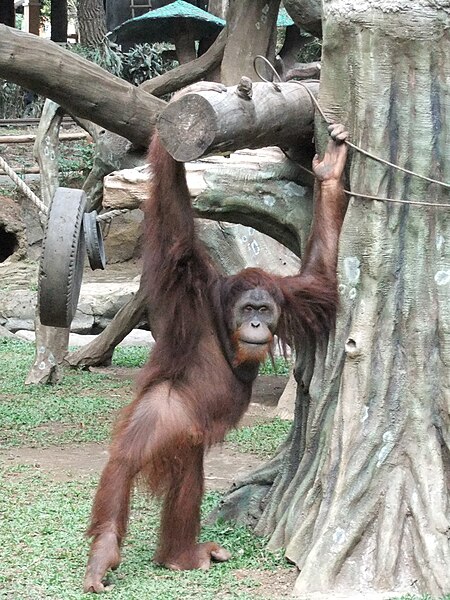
(198, 557)
(104, 555)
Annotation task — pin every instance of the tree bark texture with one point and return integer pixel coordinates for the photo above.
(246, 116)
(262, 190)
(251, 31)
(112, 152)
(265, 200)
(78, 85)
(362, 500)
(218, 8)
(91, 22)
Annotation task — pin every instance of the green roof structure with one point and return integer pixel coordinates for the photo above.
(166, 23)
(284, 20)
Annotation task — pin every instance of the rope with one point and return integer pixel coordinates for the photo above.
(397, 201)
(108, 216)
(366, 152)
(378, 198)
(358, 148)
(43, 209)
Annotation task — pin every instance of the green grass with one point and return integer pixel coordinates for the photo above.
(79, 409)
(43, 551)
(82, 408)
(426, 597)
(137, 356)
(130, 356)
(280, 366)
(262, 440)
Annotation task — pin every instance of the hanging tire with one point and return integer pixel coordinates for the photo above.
(62, 258)
(94, 241)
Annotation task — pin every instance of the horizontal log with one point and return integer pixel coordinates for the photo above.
(30, 138)
(78, 85)
(67, 121)
(243, 116)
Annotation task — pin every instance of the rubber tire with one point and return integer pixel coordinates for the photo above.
(62, 258)
(94, 241)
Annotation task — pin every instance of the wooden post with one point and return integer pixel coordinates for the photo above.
(51, 342)
(31, 14)
(185, 46)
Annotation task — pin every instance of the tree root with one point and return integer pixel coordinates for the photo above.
(101, 349)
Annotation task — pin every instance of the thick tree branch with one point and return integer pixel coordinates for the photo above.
(251, 32)
(78, 85)
(190, 72)
(303, 71)
(100, 350)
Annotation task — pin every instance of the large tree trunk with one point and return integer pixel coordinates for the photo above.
(218, 8)
(91, 22)
(362, 499)
(251, 32)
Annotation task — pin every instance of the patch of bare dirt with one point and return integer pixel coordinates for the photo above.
(223, 463)
(271, 584)
(68, 463)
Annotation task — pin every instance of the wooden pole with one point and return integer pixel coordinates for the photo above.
(30, 138)
(31, 14)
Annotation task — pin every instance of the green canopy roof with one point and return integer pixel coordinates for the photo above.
(164, 24)
(179, 8)
(284, 20)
